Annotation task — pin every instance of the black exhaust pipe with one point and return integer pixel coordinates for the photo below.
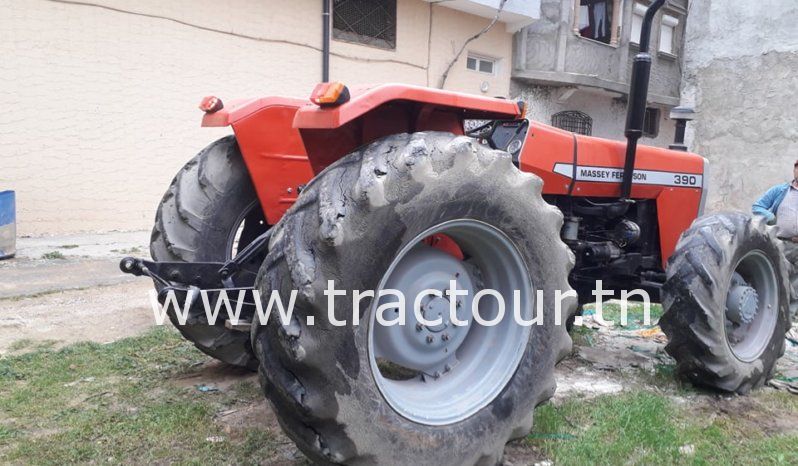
(638, 96)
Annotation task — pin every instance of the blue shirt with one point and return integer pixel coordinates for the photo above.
(769, 203)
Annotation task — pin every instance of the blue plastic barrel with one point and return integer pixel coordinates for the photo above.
(8, 225)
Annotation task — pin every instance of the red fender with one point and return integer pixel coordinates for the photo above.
(330, 133)
(271, 147)
(285, 142)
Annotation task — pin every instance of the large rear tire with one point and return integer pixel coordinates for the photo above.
(726, 302)
(209, 212)
(359, 223)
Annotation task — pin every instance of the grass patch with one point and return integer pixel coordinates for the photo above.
(30, 345)
(7, 433)
(611, 312)
(95, 403)
(20, 345)
(645, 428)
(53, 255)
(583, 336)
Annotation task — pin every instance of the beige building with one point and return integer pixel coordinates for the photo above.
(100, 98)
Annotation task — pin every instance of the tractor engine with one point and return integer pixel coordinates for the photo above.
(616, 245)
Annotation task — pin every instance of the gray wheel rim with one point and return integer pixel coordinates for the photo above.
(753, 289)
(447, 373)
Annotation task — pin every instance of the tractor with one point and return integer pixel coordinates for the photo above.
(382, 187)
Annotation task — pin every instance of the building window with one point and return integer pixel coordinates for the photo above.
(597, 20)
(651, 123)
(667, 30)
(574, 121)
(368, 22)
(481, 64)
(667, 33)
(637, 22)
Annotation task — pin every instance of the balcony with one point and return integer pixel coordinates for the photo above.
(566, 48)
(516, 13)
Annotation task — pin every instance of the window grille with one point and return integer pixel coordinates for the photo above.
(368, 22)
(574, 121)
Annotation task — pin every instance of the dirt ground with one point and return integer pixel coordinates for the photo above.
(58, 292)
(69, 288)
(102, 314)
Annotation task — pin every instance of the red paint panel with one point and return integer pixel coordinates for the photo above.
(365, 99)
(677, 207)
(274, 154)
(326, 145)
(676, 210)
(446, 244)
(236, 109)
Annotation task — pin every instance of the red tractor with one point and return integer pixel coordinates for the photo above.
(383, 188)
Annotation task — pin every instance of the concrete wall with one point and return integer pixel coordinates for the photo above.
(740, 74)
(100, 99)
(608, 112)
(553, 60)
(551, 46)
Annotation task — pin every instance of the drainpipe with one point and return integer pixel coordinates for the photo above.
(325, 40)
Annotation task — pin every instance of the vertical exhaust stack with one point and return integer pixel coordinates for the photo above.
(638, 95)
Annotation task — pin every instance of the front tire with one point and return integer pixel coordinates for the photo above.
(350, 225)
(209, 212)
(726, 301)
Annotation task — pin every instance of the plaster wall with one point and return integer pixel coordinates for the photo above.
(740, 75)
(608, 112)
(100, 98)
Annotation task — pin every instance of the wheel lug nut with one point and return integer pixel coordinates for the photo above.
(429, 339)
(419, 327)
(445, 337)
